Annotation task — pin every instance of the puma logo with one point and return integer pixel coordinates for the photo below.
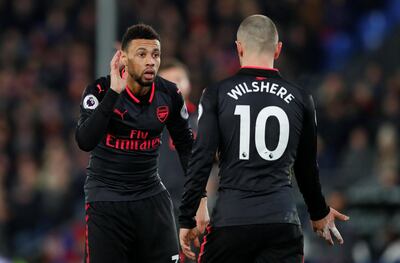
(119, 113)
(99, 88)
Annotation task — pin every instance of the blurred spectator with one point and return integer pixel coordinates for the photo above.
(387, 156)
(25, 205)
(357, 160)
(55, 183)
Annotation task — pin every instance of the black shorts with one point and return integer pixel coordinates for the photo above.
(269, 243)
(131, 231)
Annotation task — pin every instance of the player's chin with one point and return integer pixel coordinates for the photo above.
(147, 80)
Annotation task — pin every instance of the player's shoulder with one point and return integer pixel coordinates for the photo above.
(98, 87)
(220, 85)
(304, 92)
(294, 85)
(228, 81)
(94, 92)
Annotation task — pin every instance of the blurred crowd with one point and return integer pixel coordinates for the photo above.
(345, 52)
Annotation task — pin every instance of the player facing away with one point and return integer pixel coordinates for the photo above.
(264, 129)
(129, 215)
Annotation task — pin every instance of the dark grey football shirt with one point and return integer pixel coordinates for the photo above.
(123, 134)
(263, 128)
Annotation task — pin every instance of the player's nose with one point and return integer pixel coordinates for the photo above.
(150, 61)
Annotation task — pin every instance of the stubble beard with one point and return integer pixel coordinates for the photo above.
(140, 81)
(143, 83)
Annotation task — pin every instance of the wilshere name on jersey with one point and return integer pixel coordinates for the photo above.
(262, 86)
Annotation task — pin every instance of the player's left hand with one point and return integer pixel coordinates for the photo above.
(186, 236)
(117, 83)
(202, 216)
(326, 225)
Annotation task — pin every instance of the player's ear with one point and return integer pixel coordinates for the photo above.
(278, 50)
(239, 48)
(124, 58)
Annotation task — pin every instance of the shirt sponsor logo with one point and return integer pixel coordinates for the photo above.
(138, 141)
(127, 144)
(90, 102)
(162, 113)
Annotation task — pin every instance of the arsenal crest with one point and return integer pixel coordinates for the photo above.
(162, 113)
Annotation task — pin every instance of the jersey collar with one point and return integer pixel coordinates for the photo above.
(260, 72)
(143, 99)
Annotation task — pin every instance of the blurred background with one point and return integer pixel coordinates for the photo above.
(346, 53)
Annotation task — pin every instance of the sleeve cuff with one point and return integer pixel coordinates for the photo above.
(318, 215)
(185, 222)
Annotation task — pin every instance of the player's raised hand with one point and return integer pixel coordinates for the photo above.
(186, 236)
(202, 216)
(118, 84)
(326, 225)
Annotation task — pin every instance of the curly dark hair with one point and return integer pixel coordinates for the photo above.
(139, 31)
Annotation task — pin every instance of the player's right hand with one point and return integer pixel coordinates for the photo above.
(186, 236)
(202, 216)
(118, 84)
(326, 225)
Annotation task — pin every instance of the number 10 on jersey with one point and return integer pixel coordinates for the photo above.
(245, 126)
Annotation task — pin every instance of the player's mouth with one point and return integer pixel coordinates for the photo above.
(149, 74)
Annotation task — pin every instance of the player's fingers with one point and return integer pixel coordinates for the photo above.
(185, 245)
(122, 79)
(340, 216)
(183, 242)
(115, 61)
(328, 237)
(190, 254)
(201, 226)
(196, 242)
(337, 234)
(114, 58)
(319, 233)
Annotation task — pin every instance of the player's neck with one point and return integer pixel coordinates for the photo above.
(136, 88)
(257, 61)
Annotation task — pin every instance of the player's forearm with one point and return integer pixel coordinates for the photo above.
(307, 177)
(198, 173)
(189, 208)
(184, 150)
(90, 131)
(310, 187)
(182, 136)
(306, 167)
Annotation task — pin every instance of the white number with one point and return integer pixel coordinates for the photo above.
(244, 144)
(263, 115)
(176, 258)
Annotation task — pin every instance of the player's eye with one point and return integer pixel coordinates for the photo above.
(156, 55)
(142, 54)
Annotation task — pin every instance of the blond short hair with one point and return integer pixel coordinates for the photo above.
(258, 34)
